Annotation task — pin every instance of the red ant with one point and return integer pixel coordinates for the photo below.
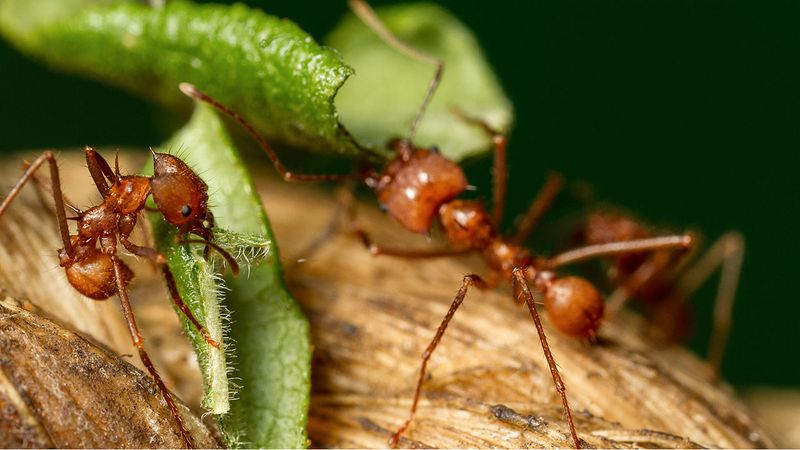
(96, 271)
(420, 185)
(663, 281)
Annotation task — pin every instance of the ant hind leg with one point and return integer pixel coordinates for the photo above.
(520, 286)
(58, 197)
(138, 342)
(469, 280)
(727, 254)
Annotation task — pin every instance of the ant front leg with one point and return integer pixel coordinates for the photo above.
(520, 284)
(469, 280)
(58, 197)
(138, 342)
(499, 163)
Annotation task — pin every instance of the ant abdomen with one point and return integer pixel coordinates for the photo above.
(93, 275)
(574, 306)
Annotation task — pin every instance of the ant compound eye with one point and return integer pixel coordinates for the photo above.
(186, 210)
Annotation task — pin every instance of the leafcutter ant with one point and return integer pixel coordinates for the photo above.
(663, 282)
(90, 257)
(420, 185)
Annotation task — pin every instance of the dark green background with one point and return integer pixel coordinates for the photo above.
(683, 111)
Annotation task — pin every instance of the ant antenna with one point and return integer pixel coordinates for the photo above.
(370, 18)
(222, 252)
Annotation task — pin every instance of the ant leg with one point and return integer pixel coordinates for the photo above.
(371, 20)
(727, 253)
(541, 203)
(681, 241)
(234, 266)
(178, 300)
(469, 280)
(195, 93)
(58, 197)
(45, 185)
(499, 163)
(653, 266)
(144, 252)
(518, 282)
(377, 249)
(99, 169)
(159, 259)
(138, 342)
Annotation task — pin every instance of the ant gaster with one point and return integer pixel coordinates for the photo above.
(90, 258)
(419, 186)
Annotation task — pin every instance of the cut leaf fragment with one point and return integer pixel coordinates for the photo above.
(265, 68)
(267, 333)
(379, 102)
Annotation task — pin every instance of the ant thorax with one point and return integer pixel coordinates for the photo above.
(129, 193)
(413, 186)
(126, 197)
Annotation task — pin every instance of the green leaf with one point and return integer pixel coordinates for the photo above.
(379, 102)
(265, 68)
(267, 333)
(273, 73)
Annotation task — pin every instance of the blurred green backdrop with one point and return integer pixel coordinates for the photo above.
(686, 112)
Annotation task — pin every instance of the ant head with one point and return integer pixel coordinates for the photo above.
(574, 306)
(412, 187)
(180, 194)
(466, 224)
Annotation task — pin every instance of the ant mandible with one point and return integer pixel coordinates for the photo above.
(420, 185)
(90, 258)
(664, 281)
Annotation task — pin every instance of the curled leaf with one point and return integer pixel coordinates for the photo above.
(268, 333)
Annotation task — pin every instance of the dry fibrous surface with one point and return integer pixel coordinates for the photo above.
(59, 390)
(488, 383)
